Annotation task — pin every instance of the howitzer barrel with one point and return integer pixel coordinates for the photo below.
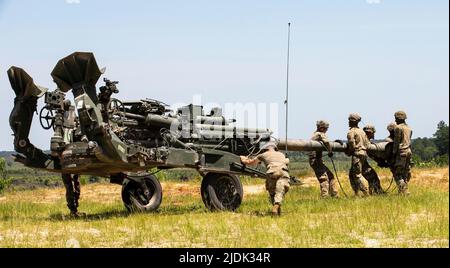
(252, 132)
(311, 146)
(211, 120)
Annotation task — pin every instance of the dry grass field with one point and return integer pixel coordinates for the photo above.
(38, 218)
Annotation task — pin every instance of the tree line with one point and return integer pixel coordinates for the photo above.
(426, 152)
(432, 150)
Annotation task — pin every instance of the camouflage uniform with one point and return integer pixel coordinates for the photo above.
(402, 153)
(357, 149)
(368, 172)
(277, 182)
(391, 128)
(73, 190)
(327, 181)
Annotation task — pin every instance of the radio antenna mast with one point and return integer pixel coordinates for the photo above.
(286, 102)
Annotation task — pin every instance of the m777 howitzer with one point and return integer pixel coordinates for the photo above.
(123, 140)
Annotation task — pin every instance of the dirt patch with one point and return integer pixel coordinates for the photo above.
(378, 240)
(92, 231)
(437, 178)
(415, 218)
(180, 189)
(42, 196)
(254, 189)
(104, 193)
(309, 182)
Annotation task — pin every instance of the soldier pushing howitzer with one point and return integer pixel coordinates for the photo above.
(391, 129)
(357, 149)
(327, 181)
(388, 162)
(402, 152)
(277, 181)
(368, 172)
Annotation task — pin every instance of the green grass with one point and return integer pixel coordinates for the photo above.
(420, 220)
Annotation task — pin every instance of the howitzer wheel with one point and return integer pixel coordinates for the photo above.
(142, 194)
(222, 192)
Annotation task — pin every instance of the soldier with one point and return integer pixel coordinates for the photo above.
(391, 128)
(73, 190)
(71, 182)
(277, 181)
(402, 152)
(357, 149)
(368, 172)
(328, 185)
(390, 161)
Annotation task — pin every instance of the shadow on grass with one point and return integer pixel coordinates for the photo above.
(180, 210)
(91, 217)
(165, 211)
(260, 214)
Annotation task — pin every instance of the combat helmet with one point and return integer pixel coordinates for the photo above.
(401, 115)
(354, 117)
(269, 144)
(391, 127)
(322, 124)
(370, 128)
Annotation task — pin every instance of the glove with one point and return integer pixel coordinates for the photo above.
(330, 154)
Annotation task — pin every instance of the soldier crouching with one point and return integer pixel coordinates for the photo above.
(277, 180)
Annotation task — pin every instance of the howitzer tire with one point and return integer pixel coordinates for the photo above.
(222, 192)
(135, 199)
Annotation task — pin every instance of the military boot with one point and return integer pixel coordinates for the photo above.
(324, 189)
(371, 189)
(361, 193)
(365, 193)
(276, 210)
(76, 214)
(363, 189)
(403, 188)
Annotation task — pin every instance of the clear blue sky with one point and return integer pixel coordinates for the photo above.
(368, 56)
